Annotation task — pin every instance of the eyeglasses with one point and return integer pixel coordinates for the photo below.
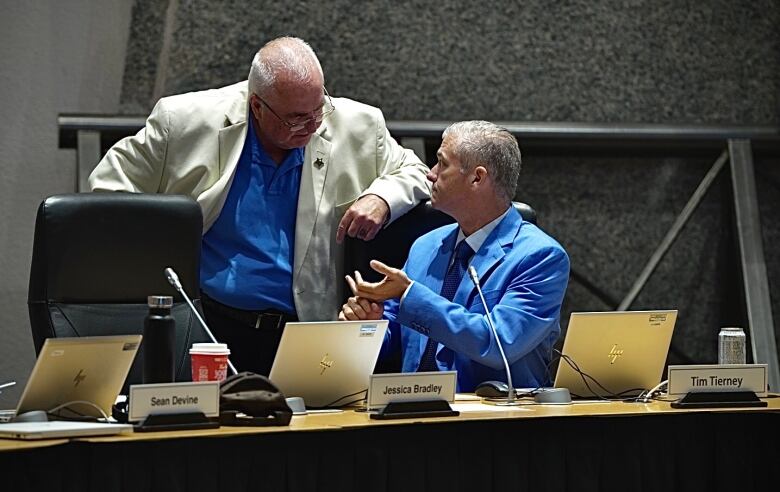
(320, 113)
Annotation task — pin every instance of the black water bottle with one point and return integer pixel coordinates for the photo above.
(159, 341)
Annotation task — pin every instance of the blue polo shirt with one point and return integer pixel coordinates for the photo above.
(247, 257)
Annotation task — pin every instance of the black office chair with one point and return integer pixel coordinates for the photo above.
(97, 256)
(391, 246)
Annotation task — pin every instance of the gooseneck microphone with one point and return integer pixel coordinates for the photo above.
(510, 394)
(173, 279)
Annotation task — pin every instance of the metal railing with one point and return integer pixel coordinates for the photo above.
(90, 134)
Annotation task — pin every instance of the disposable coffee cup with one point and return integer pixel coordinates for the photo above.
(209, 361)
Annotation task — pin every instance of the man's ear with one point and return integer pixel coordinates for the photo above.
(480, 173)
(254, 105)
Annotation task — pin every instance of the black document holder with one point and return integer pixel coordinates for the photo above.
(415, 409)
(177, 421)
(722, 399)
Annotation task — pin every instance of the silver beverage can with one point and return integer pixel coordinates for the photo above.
(731, 346)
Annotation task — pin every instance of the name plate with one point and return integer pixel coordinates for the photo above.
(414, 386)
(173, 398)
(707, 378)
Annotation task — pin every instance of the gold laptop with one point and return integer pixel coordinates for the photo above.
(80, 369)
(328, 363)
(623, 352)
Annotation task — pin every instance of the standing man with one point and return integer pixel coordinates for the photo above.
(283, 173)
(436, 318)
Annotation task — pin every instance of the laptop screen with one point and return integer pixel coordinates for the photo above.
(80, 369)
(618, 353)
(327, 363)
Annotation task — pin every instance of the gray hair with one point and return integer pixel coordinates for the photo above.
(481, 143)
(291, 56)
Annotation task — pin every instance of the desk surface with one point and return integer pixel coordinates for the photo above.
(583, 446)
(471, 409)
(18, 445)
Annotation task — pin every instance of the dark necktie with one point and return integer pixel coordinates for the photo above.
(462, 255)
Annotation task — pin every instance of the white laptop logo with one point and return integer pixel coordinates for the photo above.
(325, 364)
(614, 353)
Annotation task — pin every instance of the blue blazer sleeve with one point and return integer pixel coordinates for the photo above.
(524, 297)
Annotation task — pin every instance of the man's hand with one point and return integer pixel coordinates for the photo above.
(363, 219)
(391, 287)
(358, 308)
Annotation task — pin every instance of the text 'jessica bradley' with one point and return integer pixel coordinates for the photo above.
(400, 390)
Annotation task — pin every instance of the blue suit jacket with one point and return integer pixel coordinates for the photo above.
(523, 273)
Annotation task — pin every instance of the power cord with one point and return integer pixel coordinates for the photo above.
(610, 395)
(650, 395)
(585, 379)
(79, 415)
(585, 376)
(335, 403)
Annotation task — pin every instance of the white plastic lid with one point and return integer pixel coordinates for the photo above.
(210, 348)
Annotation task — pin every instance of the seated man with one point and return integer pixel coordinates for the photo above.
(437, 320)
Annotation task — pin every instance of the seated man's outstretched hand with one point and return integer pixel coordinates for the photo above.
(358, 308)
(392, 286)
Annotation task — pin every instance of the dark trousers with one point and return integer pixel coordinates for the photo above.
(251, 336)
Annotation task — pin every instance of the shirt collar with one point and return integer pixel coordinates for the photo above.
(476, 239)
(259, 156)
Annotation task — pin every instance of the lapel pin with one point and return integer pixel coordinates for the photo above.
(318, 163)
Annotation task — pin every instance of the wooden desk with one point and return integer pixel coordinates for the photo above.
(588, 446)
(16, 445)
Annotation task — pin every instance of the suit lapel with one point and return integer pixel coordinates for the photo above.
(438, 267)
(231, 142)
(490, 253)
(316, 162)
(233, 135)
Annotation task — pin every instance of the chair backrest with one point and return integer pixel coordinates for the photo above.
(391, 245)
(97, 256)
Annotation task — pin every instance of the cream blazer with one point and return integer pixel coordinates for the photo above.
(191, 145)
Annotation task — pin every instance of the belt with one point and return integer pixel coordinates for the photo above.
(269, 319)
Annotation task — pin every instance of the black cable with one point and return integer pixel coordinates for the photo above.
(547, 374)
(585, 376)
(352, 402)
(334, 402)
(624, 392)
(79, 416)
(575, 367)
(531, 393)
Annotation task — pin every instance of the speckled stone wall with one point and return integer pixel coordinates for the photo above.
(657, 61)
(611, 214)
(631, 60)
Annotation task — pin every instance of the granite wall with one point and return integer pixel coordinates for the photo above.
(624, 60)
(658, 61)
